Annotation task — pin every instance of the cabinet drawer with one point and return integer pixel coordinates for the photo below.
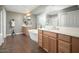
(39, 36)
(52, 34)
(40, 43)
(23, 29)
(40, 31)
(64, 37)
(40, 40)
(61, 50)
(75, 44)
(65, 46)
(45, 43)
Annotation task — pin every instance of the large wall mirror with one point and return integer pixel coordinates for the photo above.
(68, 17)
(52, 19)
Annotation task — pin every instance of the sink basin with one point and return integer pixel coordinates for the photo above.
(51, 28)
(55, 29)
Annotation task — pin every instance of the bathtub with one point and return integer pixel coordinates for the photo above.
(33, 33)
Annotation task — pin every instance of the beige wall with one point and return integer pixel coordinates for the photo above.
(18, 21)
(18, 17)
(34, 22)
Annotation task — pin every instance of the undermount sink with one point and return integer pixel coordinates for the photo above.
(51, 28)
(54, 29)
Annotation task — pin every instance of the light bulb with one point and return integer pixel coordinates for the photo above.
(29, 17)
(28, 14)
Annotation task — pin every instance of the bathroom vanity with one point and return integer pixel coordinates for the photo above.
(58, 41)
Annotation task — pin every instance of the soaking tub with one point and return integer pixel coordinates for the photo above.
(33, 33)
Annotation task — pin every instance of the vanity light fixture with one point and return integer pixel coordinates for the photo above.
(29, 17)
(28, 13)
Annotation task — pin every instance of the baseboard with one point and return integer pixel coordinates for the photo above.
(16, 34)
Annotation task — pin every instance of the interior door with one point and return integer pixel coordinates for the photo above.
(0, 22)
(2, 25)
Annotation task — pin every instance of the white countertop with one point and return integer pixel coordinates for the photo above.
(67, 31)
(26, 25)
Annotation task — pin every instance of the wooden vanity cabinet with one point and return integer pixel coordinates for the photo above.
(40, 38)
(45, 43)
(56, 42)
(50, 41)
(64, 47)
(75, 45)
(64, 43)
(25, 31)
(52, 45)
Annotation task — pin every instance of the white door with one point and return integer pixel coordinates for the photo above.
(1, 37)
(3, 17)
(2, 25)
(0, 22)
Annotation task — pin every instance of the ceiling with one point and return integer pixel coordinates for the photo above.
(55, 8)
(58, 7)
(20, 8)
(49, 8)
(34, 8)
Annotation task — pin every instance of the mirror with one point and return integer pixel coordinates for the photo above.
(27, 20)
(52, 19)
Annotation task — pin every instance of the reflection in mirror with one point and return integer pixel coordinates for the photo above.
(27, 20)
(52, 20)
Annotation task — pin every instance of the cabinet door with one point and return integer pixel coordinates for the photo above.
(75, 45)
(64, 37)
(64, 47)
(40, 40)
(45, 43)
(52, 45)
(23, 30)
